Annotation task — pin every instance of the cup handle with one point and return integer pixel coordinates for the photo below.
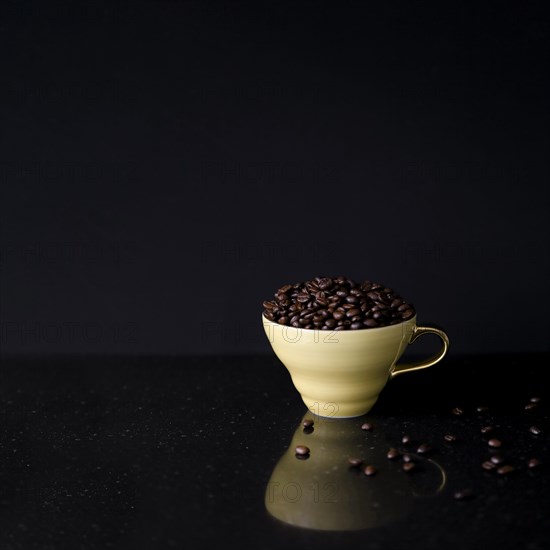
(417, 365)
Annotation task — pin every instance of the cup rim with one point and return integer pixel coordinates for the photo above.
(356, 331)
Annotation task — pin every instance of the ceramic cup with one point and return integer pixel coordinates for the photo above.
(340, 374)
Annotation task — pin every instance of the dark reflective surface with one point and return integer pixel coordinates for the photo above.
(173, 452)
(323, 492)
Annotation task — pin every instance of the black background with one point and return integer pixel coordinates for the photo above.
(165, 166)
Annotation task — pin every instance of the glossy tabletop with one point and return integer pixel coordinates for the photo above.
(193, 452)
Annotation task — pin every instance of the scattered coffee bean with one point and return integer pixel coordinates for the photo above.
(535, 430)
(424, 448)
(449, 438)
(457, 411)
(531, 406)
(337, 303)
(482, 409)
(533, 463)
(495, 443)
(497, 459)
(408, 466)
(367, 427)
(406, 440)
(488, 465)
(393, 453)
(308, 430)
(355, 462)
(407, 458)
(302, 450)
(506, 470)
(370, 470)
(464, 494)
(308, 422)
(487, 429)
(535, 399)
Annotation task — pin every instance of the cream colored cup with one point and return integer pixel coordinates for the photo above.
(340, 374)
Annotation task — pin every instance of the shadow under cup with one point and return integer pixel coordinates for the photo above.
(340, 374)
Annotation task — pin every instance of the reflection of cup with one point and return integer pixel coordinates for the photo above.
(325, 493)
(341, 373)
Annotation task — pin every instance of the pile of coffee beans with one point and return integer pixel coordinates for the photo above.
(337, 303)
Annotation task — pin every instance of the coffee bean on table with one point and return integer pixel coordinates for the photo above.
(495, 443)
(531, 406)
(308, 423)
(506, 470)
(535, 399)
(367, 427)
(497, 459)
(407, 458)
(488, 465)
(487, 429)
(424, 448)
(392, 454)
(533, 463)
(457, 411)
(408, 466)
(323, 302)
(354, 461)
(406, 440)
(302, 451)
(535, 430)
(370, 470)
(449, 438)
(482, 408)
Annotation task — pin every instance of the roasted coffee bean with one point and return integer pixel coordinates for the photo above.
(464, 494)
(535, 399)
(308, 422)
(482, 408)
(449, 438)
(325, 283)
(488, 465)
(354, 461)
(308, 430)
(353, 312)
(497, 460)
(487, 430)
(367, 427)
(535, 430)
(407, 458)
(495, 443)
(424, 448)
(506, 470)
(408, 466)
(457, 411)
(365, 305)
(301, 450)
(392, 454)
(406, 440)
(531, 406)
(370, 470)
(533, 463)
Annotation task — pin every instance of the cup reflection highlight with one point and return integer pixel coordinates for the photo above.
(323, 492)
